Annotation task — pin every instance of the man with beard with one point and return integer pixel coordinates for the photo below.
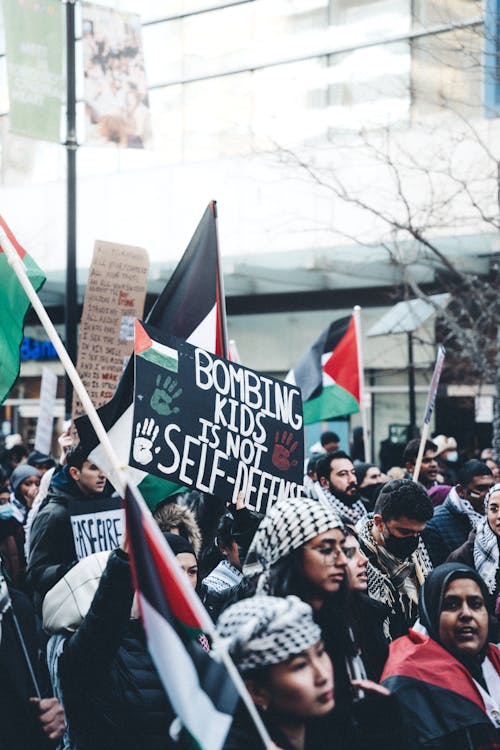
(338, 488)
(398, 562)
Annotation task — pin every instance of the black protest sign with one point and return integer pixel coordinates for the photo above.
(213, 425)
(98, 524)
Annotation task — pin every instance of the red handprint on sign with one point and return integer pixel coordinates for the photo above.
(283, 449)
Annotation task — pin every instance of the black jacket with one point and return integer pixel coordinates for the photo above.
(52, 547)
(112, 693)
(20, 729)
(244, 736)
(447, 530)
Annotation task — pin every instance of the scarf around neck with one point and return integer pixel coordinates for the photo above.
(353, 512)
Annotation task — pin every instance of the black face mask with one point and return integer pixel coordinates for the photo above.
(401, 547)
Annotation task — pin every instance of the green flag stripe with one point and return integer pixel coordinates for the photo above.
(334, 401)
(158, 358)
(155, 489)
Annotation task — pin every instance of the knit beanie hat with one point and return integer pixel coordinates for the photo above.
(178, 544)
(22, 472)
(289, 525)
(266, 630)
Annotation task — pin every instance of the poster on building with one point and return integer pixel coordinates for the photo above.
(115, 294)
(213, 425)
(115, 87)
(34, 45)
(45, 421)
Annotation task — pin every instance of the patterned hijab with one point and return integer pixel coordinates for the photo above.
(267, 630)
(288, 525)
(486, 552)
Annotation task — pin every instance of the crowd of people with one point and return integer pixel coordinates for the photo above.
(361, 614)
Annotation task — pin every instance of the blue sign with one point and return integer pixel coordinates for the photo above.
(31, 349)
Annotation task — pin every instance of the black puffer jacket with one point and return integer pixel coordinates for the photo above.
(112, 694)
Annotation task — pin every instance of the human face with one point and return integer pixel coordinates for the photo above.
(302, 687)
(398, 528)
(356, 564)
(90, 479)
(463, 622)
(428, 469)
(494, 468)
(372, 476)
(324, 562)
(342, 478)
(29, 489)
(189, 565)
(494, 513)
(476, 490)
(4, 497)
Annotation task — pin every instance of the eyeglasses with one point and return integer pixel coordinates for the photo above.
(329, 554)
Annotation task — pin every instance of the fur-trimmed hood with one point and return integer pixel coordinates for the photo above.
(172, 516)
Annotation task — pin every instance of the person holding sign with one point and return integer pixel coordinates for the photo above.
(77, 520)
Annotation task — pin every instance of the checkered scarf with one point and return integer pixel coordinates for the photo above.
(288, 525)
(266, 630)
(486, 553)
(465, 508)
(353, 513)
(389, 578)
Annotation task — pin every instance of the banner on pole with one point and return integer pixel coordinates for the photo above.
(431, 397)
(115, 91)
(211, 424)
(115, 295)
(34, 34)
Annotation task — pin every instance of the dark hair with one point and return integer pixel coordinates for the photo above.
(323, 465)
(361, 470)
(404, 497)
(329, 437)
(311, 464)
(76, 457)
(411, 451)
(471, 469)
(287, 576)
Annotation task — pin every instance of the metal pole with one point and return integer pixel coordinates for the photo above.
(71, 303)
(411, 388)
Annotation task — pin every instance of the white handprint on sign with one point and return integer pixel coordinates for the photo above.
(145, 435)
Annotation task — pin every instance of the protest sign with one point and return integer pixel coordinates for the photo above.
(214, 425)
(115, 296)
(98, 524)
(48, 389)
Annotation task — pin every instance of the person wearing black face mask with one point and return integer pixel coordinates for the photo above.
(398, 559)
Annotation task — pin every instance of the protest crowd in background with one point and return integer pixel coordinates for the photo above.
(226, 591)
(360, 614)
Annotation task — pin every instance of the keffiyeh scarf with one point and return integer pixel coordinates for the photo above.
(353, 513)
(486, 553)
(465, 508)
(390, 579)
(223, 577)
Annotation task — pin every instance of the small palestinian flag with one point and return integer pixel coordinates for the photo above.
(14, 306)
(329, 374)
(198, 686)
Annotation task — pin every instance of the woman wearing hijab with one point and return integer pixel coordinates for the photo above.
(447, 676)
(277, 647)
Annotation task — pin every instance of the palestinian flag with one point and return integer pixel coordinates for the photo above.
(329, 374)
(197, 685)
(191, 307)
(14, 307)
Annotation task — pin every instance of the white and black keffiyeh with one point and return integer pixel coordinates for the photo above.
(486, 553)
(266, 630)
(465, 508)
(353, 513)
(222, 577)
(289, 525)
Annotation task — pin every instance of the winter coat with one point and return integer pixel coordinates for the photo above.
(112, 694)
(446, 530)
(52, 546)
(439, 698)
(244, 736)
(19, 727)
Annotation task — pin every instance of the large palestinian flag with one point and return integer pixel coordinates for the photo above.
(191, 307)
(14, 307)
(329, 374)
(198, 686)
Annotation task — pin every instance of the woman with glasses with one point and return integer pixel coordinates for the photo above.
(298, 549)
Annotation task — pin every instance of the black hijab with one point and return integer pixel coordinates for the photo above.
(431, 603)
